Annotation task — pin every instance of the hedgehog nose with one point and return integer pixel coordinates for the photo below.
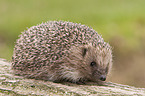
(103, 77)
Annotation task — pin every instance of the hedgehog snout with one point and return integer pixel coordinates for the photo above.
(102, 77)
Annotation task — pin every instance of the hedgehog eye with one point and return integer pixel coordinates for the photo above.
(93, 63)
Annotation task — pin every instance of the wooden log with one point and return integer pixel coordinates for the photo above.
(19, 86)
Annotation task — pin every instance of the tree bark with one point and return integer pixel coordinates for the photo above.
(19, 86)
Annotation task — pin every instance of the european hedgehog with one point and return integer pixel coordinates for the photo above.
(62, 51)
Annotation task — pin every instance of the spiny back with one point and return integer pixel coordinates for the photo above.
(44, 44)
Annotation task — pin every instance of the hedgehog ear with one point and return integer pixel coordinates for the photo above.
(107, 68)
(84, 51)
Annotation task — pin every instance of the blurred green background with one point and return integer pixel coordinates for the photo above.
(120, 22)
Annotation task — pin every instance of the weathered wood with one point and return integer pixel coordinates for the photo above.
(17, 85)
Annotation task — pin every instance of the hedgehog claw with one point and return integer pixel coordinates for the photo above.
(80, 83)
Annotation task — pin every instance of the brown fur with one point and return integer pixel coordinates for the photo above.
(76, 67)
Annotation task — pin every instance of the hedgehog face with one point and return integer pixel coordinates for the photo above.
(91, 63)
(99, 61)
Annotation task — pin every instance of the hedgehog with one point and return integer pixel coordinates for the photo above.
(61, 51)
